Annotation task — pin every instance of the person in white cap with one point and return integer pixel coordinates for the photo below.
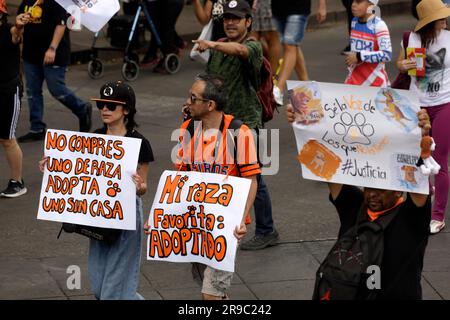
(370, 46)
(433, 91)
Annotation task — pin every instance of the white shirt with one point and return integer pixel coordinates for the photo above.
(434, 88)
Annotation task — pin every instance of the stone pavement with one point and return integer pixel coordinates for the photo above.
(33, 263)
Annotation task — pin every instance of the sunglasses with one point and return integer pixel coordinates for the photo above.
(194, 99)
(111, 106)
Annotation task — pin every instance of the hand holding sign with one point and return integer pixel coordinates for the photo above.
(197, 217)
(362, 136)
(86, 179)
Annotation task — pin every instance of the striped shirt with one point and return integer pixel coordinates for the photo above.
(372, 42)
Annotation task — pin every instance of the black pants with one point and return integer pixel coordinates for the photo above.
(348, 7)
(165, 14)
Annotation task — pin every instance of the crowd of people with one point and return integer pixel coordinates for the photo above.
(226, 96)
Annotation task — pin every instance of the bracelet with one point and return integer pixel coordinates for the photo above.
(18, 27)
(52, 48)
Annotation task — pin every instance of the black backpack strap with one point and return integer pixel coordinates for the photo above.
(190, 128)
(235, 124)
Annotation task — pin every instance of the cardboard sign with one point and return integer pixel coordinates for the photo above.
(193, 217)
(88, 179)
(364, 136)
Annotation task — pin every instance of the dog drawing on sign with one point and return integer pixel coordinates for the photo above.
(393, 109)
(410, 174)
(319, 161)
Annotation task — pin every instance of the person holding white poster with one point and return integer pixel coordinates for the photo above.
(114, 266)
(213, 155)
(381, 243)
(114, 270)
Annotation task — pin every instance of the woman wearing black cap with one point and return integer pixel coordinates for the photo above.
(114, 269)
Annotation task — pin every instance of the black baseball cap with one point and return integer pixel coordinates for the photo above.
(117, 92)
(238, 8)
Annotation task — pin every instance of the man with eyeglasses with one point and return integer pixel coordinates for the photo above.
(238, 60)
(208, 143)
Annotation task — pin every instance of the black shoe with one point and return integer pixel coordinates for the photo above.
(261, 241)
(86, 121)
(14, 189)
(32, 136)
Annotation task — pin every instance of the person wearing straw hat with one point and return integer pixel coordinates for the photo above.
(10, 93)
(433, 91)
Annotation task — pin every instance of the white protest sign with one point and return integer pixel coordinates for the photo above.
(193, 217)
(364, 136)
(93, 14)
(88, 179)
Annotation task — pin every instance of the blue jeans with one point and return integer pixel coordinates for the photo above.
(263, 208)
(114, 269)
(291, 28)
(55, 78)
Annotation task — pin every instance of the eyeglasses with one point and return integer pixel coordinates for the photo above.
(111, 106)
(194, 99)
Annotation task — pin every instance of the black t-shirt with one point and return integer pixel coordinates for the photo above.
(145, 153)
(39, 32)
(283, 8)
(405, 240)
(9, 60)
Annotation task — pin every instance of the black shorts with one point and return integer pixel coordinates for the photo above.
(10, 110)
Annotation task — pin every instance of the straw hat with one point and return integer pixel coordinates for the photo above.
(429, 11)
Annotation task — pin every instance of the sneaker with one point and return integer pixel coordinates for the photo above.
(278, 95)
(261, 241)
(86, 121)
(436, 226)
(14, 189)
(32, 136)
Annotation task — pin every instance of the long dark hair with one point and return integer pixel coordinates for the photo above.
(130, 124)
(428, 34)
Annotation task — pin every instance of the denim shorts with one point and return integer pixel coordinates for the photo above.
(291, 28)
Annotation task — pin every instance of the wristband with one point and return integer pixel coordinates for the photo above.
(52, 48)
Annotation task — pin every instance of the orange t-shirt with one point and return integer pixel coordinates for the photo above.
(215, 153)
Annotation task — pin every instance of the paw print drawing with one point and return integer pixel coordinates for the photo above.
(114, 190)
(354, 129)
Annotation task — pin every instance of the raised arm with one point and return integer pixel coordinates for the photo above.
(203, 12)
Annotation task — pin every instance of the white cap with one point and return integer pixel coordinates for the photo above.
(375, 2)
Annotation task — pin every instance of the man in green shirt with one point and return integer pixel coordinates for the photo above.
(238, 60)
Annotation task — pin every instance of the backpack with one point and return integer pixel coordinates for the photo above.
(343, 274)
(265, 90)
(403, 80)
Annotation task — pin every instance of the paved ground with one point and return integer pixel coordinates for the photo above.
(33, 263)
